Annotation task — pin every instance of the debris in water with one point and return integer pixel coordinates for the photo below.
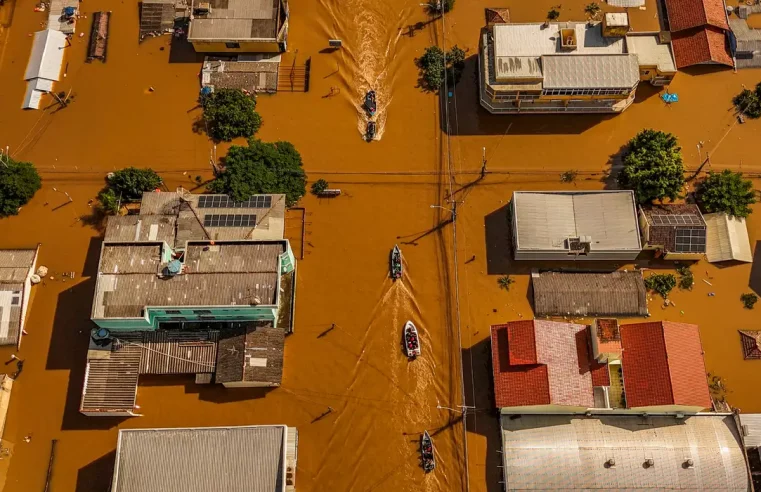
(28, 438)
(711, 294)
(681, 312)
(709, 283)
(151, 89)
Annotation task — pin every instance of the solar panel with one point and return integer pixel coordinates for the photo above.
(677, 220)
(690, 240)
(224, 201)
(229, 220)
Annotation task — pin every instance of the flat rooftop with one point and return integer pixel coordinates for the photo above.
(132, 276)
(536, 40)
(15, 267)
(545, 220)
(235, 20)
(233, 459)
(564, 452)
(651, 52)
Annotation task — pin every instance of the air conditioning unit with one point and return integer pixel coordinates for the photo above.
(579, 245)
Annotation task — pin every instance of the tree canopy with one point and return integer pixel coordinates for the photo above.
(130, 183)
(19, 181)
(229, 113)
(749, 102)
(727, 192)
(653, 166)
(432, 66)
(262, 167)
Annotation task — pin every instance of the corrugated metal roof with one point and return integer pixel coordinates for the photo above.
(17, 258)
(144, 228)
(626, 3)
(590, 71)
(563, 452)
(230, 459)
(727, 239)
(545, 220)
(751, 428)
(47, 55)
(111, 384)
(236, 20)
(589, 294)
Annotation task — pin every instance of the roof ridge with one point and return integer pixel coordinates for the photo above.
(668, 362)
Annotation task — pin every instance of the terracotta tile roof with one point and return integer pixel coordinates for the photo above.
(686, 14)
(700, 45)
(561, 375)
(497, 16)
(663, 365)
(751, 343)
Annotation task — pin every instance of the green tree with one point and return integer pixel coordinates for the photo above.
(229, 113)
(662, 283)
(592, 9)
(19, 181)
(262, 167)
(749, 102)
(553, 14)
(749, 300)
(727, 192)
(130, 183)
(109, 202)
(319, 186)
(435, 64)
(653, 166)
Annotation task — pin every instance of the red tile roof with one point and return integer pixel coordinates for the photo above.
(686, 14)
(700, 45)
(663, 365)
(560, 373)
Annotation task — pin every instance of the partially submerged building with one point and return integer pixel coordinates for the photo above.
(573, 67)
(44, 67)
(674, 231)
(258, 73)
(575, 225)
(194, 284)
(727, 239)
(542, 366)
(699, 32)
(16, 271)
(580, 294)
(748, 43)
(239, 26)
(260, 458)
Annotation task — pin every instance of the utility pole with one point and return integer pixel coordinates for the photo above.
(483, 163)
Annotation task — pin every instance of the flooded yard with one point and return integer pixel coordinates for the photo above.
(381, 402)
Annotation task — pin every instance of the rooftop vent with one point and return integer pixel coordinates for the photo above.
(568, 39)
(611, 463)
(579, 245)
(649, 463)
(688, 463)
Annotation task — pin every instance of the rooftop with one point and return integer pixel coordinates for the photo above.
(589, 294)
(679, 228)
(16, 265)
(727, 238)
(748, 43)
(663, 365)
(252, 76)
(233, 459)
(538, 362)
(686, 14)
(235, 20)
(132, 276)
(562, 452)
(251, 353)
(701, 45)
(651, 52)
(545, 220)
(751, 344)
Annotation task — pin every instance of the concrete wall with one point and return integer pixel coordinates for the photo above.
(534, 255)
(260, 46)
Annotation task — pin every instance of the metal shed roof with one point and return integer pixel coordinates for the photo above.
(47, 55)
(233, 459)
(544, 220)
(727, 239)
(620, 71)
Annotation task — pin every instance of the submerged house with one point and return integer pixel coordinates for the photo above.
(727, 239)
(699, 32)
(233, 459)
(44, 67)
(575, 225)
(674, 231)
(571, 67)
(239, 26)
(194, 284)
(16, 271)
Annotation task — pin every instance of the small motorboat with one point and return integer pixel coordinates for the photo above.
(370, 105)
(411, 340)
(370, 134)
(427, 458)
(395, 267)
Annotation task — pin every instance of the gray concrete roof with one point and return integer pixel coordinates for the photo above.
(650, 51)
(230, 459)
(545, 219)
(563, 452)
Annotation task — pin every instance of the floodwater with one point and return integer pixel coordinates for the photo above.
(381, 403)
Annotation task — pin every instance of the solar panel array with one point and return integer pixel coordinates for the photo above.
(224, 201)
(691, 240)
(677, 220)
(229, 220)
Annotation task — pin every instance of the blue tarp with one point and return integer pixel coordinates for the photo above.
(670, 97)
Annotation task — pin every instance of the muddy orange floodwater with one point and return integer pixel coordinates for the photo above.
(381, 402)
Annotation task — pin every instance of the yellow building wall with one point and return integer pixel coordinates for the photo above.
(245, 47)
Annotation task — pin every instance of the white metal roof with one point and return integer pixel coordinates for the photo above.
(727, 239)
(626, 3)
(751, 428)
(545, 219)
(564, 452)
(590, 71)
(47, 55)
(233, 459)
(617, 19)
(650, 51)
